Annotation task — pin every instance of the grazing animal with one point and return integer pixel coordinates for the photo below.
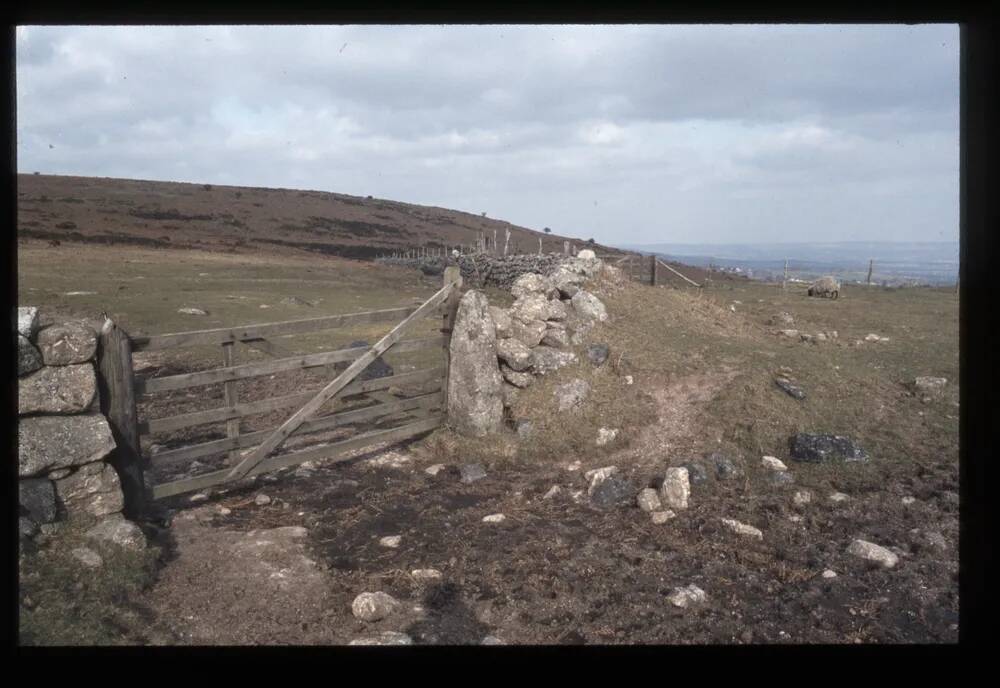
(825, 286)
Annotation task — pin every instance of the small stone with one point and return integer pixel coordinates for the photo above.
(556, 338)
(494, 518)
(676, 488)
(930, 385)
(27, 321)
(742, 529)
(648, 500)
(801, 498)
(818, 448)
(573, 466)
(685, 597)
(29, 358)
(907, 501)
(192, 311)
(937, 541)
(837, 497)
(605, 436)
(391, 541)
(596, 476)
(725, 468)
(553, 491)
(572, 394)
(426, 574)
(492, 640)
(781, 478)
(384, 638)
(773, 464)
(373, 606)
(262, 500)
(515, 354)
(789, 388)
(628, 379)
(829, 573)
(696, 472)
(789, 333)
(435, 469)
(661, 517)
(87, 557)
(598, 353)
(611, 492)
(519, 380)
(873, 553)
(117, 530)
(223, 511)
(471, 472)
(198, 497)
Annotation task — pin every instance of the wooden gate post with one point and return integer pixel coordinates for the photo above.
(652, 270)
(116, 387)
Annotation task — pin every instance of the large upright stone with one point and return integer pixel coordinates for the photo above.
(71, 342)
(29, 359)
(49, 442)
(676, 488)
(475, 400)
(92, 490)
(57, 389)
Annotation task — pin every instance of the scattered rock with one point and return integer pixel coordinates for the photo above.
(597, 475)
(875, 338)
(57, 389)
(743, 529)
(515, 354)
(598, 353)
(92, 490)
(725, 468)
(818, 448)
(586, 254)
(628, 379)
(426, 574)
(192, 311)
(685, 597)
(262, 500)
(292, 301)
(29, 358)
(548, 360)
(697, 474)
(907, 501)
(773, 464)
(66, 344)
(494, 518)
(801, 498)
(610, 492)
(87, 557)
(648, 500)
(435, 469)
(198, 497)
(38, 498)
(931, 386)
(781, 478)
(605, 436)
(384, 638)
(873, 553)
(27, 321)
(471, 472)
(117, 530)
(572, 394)
(789, 388)
(553, 491)
(373, 606)
(837, 497)
(391, 541)
(937, 541)
(676, 488)
(661, 517)
(475, 403)
(492, 640)
(829, 574)
(782, 318)
(789, 333)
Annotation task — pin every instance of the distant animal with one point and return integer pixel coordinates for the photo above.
(825, 286)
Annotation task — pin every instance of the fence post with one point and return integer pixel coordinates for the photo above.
(652, 270)
(452, 275)
(565, 248)
(229, 392)
(784, 280)
(871, 264)
(115, 380)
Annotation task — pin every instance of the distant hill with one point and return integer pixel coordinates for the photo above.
(232, 218)
(895, 262)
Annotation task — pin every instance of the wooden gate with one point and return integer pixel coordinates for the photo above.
(121, 388)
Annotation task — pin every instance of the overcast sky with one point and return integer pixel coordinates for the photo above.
(628, 134)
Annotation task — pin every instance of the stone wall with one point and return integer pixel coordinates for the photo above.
(496, 352)
(63, 439)
(484, 269)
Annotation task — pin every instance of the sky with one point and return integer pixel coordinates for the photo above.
(629, 134)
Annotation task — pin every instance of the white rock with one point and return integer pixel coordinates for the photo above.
(223, 511)
(87, 557)
(606, 436)
(27, 321)
(384, 638)
(574, 466)
(676, 488)
(426, 574)
(628, 379)
(742, 528)
(494, 518)
(801, 497)
(648, 500)
(198, 497)
(589, 307)
(829, 573)
(661, 517)
(192, 311)
(492, 640)
(907, 501)
(773, 463)
(435, 469)
(876, 554)
(262, 500)
(391, 541)
(373, 606)
(553, 491)
(586, 254)
(837, 497)
(684, 597)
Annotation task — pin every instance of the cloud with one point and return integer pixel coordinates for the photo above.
(626, 133)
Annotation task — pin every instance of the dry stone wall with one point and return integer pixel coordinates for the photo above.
(63, 439)
(483, 269)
